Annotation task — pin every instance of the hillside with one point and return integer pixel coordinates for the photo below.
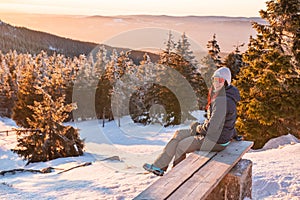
(24, 40)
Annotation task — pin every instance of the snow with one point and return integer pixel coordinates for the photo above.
(52, 48)
(280, 142)
(276, 173)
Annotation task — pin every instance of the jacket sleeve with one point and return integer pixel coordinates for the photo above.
(217, 119)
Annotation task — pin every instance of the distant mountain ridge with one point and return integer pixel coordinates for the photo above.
(219, 18)
(230, 31)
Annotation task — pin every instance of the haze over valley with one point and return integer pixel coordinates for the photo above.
(229, 31)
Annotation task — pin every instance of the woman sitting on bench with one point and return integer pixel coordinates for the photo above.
(213, 135)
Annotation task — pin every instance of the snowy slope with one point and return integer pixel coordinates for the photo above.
(276, 173)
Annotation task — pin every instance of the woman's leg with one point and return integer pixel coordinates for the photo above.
(194, 143)
(187, 145)
(169, 151)
(209, 145)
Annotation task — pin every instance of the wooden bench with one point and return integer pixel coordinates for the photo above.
(197, 175)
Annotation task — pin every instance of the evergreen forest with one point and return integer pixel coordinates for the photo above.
(41, 89)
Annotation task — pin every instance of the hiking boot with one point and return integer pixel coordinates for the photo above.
(155, 170)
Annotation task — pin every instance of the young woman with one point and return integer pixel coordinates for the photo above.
(213, 135)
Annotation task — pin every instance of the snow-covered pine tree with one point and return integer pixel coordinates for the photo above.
(8, 82)
(145, 74)
(105, 88)
(103, 85)
(170, 44)
(214, 51)
(49, 138)
(101, 62)
(41, 107)
(183, 48)
(26, 95)
(58, 78)
(68, 75)
(172, 58)
(124, 83)
(85, 87)
(270, 82)
(111, 66)
(187, 70)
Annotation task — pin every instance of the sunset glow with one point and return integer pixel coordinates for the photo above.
(235, 8)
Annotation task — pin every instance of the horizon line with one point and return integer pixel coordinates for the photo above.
(124, 15)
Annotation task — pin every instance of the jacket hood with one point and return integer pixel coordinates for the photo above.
(223, 72)
(233, 93)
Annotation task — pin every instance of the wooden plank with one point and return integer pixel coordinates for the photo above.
(167, 184)
(207, 178)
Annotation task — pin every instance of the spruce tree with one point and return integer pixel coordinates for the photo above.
(101, 62)
(10, 65)
(234, 61)
(125, 82)
(26, 96)
(187, 70)
(140, 99)
(41, 108)
(48, 138)
(105, 87)
(85, 87)
(176, 57)
(284, 20)
(170, 44)
(212, 61)
(183, 48)
(98, 76)
(269, 83)
(214, 51)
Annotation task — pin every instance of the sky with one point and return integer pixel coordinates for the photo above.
(233, 8)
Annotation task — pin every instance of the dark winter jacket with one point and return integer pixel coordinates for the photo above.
(222, 116)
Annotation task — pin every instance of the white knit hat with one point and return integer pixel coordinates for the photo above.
(223, 72)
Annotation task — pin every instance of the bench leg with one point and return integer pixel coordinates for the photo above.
(237, 184)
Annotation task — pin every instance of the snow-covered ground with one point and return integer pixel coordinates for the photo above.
(276, 167)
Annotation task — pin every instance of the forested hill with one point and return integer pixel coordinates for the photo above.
(24, 40)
